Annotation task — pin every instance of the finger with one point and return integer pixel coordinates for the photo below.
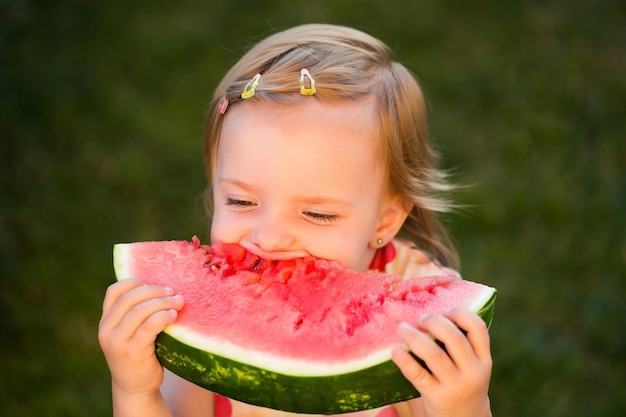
(457, 347)
(412, 370)
(476, 328)
(424, 347)
(135, 296)
(114, 292)
(147, 332)
(149, 317)
(140, 325)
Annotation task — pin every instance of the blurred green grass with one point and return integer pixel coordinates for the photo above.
(101, 137)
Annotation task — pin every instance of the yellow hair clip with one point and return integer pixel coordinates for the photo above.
(250, 88)
(303, 90)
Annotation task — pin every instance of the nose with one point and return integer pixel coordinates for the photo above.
(272, 232)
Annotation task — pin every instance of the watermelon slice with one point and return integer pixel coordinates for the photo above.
(304, 335)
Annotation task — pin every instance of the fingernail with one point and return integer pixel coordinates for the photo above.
(168, 290)
(399, 348)
(404, 327)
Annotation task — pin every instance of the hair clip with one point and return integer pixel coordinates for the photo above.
(303, 90)
(250, 88)
(224, 106)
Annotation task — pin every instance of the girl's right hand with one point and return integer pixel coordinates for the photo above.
(133, 314)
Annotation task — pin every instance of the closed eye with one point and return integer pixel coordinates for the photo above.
(239, 203)
(320, 217)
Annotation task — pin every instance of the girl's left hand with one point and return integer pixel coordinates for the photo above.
(458, 382)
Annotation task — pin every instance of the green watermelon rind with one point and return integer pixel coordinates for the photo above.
(487, 311)
(371, 387)
(334, 394)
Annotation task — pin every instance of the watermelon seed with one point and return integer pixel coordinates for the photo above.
(211, 265)
(298, 323)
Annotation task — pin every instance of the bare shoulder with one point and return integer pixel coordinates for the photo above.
(409, 261)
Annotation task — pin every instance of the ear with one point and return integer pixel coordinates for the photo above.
(391, 218)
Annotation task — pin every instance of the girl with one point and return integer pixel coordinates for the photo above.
(316, 144)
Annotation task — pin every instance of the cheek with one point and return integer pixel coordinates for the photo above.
(359, 259)
(348, 248)
(363, 259)
(215, 232)
(224, 228)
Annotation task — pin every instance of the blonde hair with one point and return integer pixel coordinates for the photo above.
(348, 64)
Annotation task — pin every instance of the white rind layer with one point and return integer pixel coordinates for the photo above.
(269, 362)
(122, 260)
(482, 298)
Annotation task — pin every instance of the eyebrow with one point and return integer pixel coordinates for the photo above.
(323, 200)
(236, 183)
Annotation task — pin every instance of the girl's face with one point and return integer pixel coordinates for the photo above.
(303, 179)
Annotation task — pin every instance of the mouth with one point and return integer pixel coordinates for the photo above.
(275, 255)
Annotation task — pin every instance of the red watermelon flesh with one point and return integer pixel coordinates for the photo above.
(298, 311)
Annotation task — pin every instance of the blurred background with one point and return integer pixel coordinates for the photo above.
(101, 119)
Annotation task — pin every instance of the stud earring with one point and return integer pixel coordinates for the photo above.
(379, 241)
